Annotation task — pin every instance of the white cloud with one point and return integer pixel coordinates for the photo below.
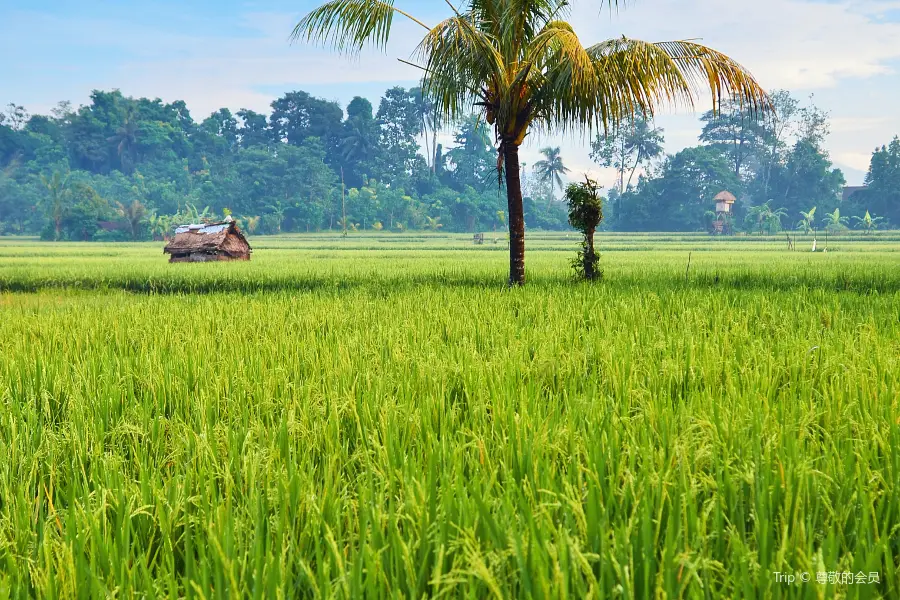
(794, 44)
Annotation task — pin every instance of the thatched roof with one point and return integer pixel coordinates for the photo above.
(725, 196)
(208, 238)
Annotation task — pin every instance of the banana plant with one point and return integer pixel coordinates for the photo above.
(765, 218)
(160, 226)
(807, 223)
(868, 223)
(834, 222)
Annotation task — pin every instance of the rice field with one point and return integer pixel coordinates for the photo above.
(378, 416)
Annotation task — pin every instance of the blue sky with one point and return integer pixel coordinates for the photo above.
(236, 54)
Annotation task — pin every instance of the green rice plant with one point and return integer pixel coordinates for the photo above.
(346, 423)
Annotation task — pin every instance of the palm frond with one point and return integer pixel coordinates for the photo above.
(458, 57)
(348, 25)
(631, 77)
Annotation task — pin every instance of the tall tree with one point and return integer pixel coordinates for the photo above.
(124, 140)
(359, 141)
(16, 115)
(471, 161)
(521, 63)
(223, 129)
(777, 125)
(882, 195)
(297, 116)
(254, 130)
(551, 168)
(56, 202)
(807, 178)
(627, 148)
(735, 129)
(399, 121)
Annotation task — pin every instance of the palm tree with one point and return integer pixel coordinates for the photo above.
(125, 139)
(524, 67)
(57, 201)
(645, 142)
(868, 222)
(357, 145)
(807, 223)
(134, 213)
(551, 169)
(429, 118)
(834, 222)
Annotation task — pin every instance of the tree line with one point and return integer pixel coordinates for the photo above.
(774, 162)
(121, 167)
(126, 168)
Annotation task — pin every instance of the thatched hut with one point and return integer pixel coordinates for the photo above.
(208, 242)
(724, 200)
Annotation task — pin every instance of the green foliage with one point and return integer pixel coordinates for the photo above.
(679, 195)
(777, 157)
(285, 168)
(882, 195)
(868, 222)
(288, 168)
(628, 147)
(765, 218)
(807, 221)
(550, 170)
(385, 420)
(585, 215)
(835, 222)
(735, 131)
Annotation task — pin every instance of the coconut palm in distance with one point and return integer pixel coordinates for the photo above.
(524, 67)
(56, 201)
(551, 168)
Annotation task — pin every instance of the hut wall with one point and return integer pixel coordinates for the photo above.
(205, 257)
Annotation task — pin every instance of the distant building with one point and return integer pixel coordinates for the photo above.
(850, 190)
(208, 242)
(724, 200)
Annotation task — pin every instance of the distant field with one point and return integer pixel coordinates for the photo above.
(379, 416)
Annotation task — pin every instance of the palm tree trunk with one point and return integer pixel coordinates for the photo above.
(428, 155)
(637, 162)
(516, 216)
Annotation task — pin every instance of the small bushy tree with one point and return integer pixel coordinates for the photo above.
(585, 215)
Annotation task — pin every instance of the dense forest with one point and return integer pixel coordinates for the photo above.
(125, 168)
